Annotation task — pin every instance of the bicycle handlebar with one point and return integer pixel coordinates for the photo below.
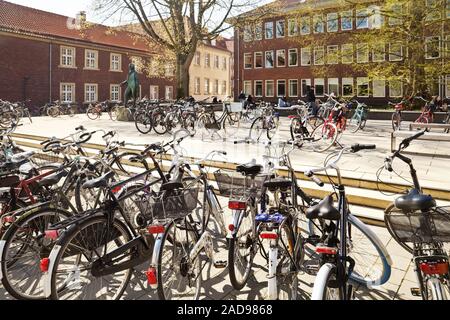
(358, 147)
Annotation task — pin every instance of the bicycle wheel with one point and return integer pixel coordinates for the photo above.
(113, 113)
(174, 122)
(396, 121)
(189, 124)
(231, 124)
(325, 284)
(92, 113)
(257, 129)
(23, 246)
(296, 129)
(53, 112)
(158, 121)
(79, 252)
(143, 122)
(324, 137)
(272, 127)
(391, 210)
(354, 124)
(178, 277)
(70, 111)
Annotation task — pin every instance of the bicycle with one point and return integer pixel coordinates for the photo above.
(427, 115)
(397, 115)
(58, 109)
(359, 119)
(229, 121)
(422, 228)
(94, 112)
(268, 122)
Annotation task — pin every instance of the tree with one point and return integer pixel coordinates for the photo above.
(177, 26)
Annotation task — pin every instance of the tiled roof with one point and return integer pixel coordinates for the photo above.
(21, 19)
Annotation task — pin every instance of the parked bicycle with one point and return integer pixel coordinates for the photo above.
(59, 109)
(94, 111)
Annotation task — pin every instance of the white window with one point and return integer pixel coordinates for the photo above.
(115, 92)
(116, 62)
(332, 22)
(281, 58)
(362, 87)
(319, 56)
(68, 57)
(293, 57)
(224, 63)
(247, 33)
(90, 92)
(168, 71)
(347, 87)
(269, 59)
(197, 58)
(395, 14)
(305, 25)
(67, 92)
(306, 84)
(293, 88)
(258, 32)
(319, 87)
(169, 93)
(333, 54)
(270, 91)
(258, 60)
(292, 27)
(91, 59)
(362, 19)
(207, 86)
(433, 10)
(333, 86)
(207, 60)
(216, 87)
(154, 92)
(306, 56)
(362, 53)
(318, 24)
(281, 88)
(197, 85)
(248, 61)
(224, 87)
(347, 53)
(395, 88)
(347, 20)
(432, 47)
(375, 17)
(280, 28)
(258, 88)
(268, 26)
(379, 52)
(395, 51)
(247, 88)
(379, 88)
(216, 62)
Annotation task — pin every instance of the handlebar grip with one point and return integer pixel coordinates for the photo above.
(314, 178)
(388, 164)
(80, 128)
(358, 147)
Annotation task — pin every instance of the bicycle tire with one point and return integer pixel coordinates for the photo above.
(323, 288)
(113, 113)
(396, 121)
(387, 212)
(92, 113)
(256, 129)
(231, 125)
(158, 121)
(327, 133)
(143, 122)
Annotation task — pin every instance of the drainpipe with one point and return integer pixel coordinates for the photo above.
(238, 63)
(50, 73)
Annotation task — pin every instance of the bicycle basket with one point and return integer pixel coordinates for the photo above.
(419, 227)
(46, 158)
(236, 186)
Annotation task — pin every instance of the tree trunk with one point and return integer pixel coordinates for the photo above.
(182, 74)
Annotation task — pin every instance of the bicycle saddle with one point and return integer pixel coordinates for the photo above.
(99, 182)
(324, 210)
(249, 169)
(53, 179)
(170, 186)
(278, 184)
(415, 200)
(21, 157)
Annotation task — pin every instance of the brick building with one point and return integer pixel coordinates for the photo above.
(46, 57)
(270, 60)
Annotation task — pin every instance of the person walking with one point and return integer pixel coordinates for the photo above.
(311, 99)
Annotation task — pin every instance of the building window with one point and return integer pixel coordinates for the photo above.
(91, 59)
(207, 60)
(447, 46)
(362, 53)
(433, 10)
(379, 52)
(67, 92)
(362, 19)
(319, 87)
(268, 26)
(154, 92)
(395, 88)
(379, 88)
(333, 86)
(281, 58)
(197, 86)
(432, 48)
(332, 22)
(216, 62)
(116, 62)
(197, 58)
(68, 57)
(333, 54)
(258, 88)
(247, 33)
(248, 61)
(293, 88)
(305, 25)
(347, 87)
(375, 17)
(306, 84)
(319, 56)
(318, 23)
(206, 91)
(362, 87)
(269, 59)
(281, 88)
(258, 32)
(306, 56)
(90, 93)
(280, 28)
(258, 60)
(347, 53)
(293, 57)
(270, 88)
(169, 93)
(347, 20)
(224, 63)
(292, 28)
(168, 71)
(396, 12)
(216, 87)
(247, 88)
(224, 87)
(395, 51)
(115, 92)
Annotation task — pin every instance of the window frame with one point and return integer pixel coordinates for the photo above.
(302, 50)
(93, 85)
(350, 45)
(374, 55)
(328, 54)
(336, 15)
(317, 82)
(390, 89)
(268, 23)
(166, 91)
(244, 87)
(290, 81)
(427, 57)
(276, 29)
(266, 86)
(73, 57)
(350, 17)
(265, 59)
(360, 81)
(86, 59)
(284, 55)
(330, 81)
(316, 49)
(246, 55)
(72, 92)
(289, 57)
(321, 20)
(306, 19)
(255, 83)
(119, 93)
(308, 82)
(359, 17)
(112, 62)
(151, 92)
(344, 83)
(400, 58)
(279, 81)
(291, 22)
(262, 59)
(383, 87)
(358, 53)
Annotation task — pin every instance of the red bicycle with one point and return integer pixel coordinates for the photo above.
(397, 115)
(427, 115)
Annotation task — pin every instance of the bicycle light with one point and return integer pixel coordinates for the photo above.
(431, 268)
(326, 250)
(51, 234)
(9, 219)
(156, 229)
(231, 227)
(43, 264)
(151, 277)
(268, 235)
(237, 205)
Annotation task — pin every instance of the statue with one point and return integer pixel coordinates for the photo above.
(132, 82)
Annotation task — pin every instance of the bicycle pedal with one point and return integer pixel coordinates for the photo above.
(416, 292)
(220, 264)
